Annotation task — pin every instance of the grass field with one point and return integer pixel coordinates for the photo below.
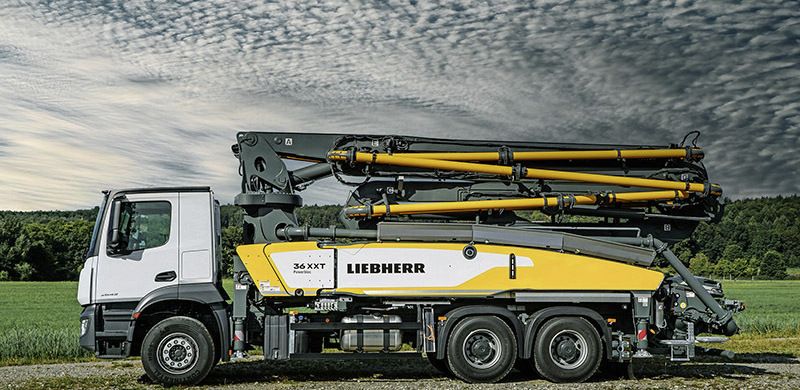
(771, 307)
(39, 320)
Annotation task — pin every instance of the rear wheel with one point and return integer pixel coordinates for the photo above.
(481, 350)
(567, 350)
(178, 351)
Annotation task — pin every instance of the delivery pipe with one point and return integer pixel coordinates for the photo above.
(520, 172)
(562, 155)
(304, 232)
(565, 201)
(724, 317)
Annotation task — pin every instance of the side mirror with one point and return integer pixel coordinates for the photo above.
(114, 240)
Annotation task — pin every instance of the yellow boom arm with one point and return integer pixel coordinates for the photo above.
(508, 204)
(530, 173)
(562, 155)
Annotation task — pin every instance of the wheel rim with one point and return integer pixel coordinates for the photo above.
(177, 353)
(482, 349)
(568, 349)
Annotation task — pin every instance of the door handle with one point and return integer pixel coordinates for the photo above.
(166, 276)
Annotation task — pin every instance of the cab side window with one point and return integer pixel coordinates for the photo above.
(144, 225)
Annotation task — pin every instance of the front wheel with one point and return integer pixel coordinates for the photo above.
(178, 351)
(567, 350)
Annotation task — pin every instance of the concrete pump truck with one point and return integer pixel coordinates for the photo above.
(436, 255)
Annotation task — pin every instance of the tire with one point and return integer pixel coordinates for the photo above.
(481, 350)
(439, 364)
(567, 349)
(174, 344)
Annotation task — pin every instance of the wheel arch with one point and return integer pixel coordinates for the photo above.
(201, 301)
(454, 316)
(538, 319)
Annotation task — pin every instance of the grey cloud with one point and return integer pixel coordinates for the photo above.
(12, 54)
(159, 89)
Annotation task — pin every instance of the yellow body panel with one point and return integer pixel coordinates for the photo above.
(550, 271)
(260, 266)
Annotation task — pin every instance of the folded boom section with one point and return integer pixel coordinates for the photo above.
(662, 190)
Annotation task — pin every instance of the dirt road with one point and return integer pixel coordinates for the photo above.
(747, 371)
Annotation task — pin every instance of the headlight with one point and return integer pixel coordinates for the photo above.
(84, 326)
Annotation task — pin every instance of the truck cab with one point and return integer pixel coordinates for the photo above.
(154, 254)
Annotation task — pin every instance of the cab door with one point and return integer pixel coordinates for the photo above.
(145, 257)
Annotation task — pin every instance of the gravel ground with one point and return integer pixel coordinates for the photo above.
(750, 371)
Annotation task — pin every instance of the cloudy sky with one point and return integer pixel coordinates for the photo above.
(98, 94)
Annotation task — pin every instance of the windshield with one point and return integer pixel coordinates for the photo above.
(92, 251)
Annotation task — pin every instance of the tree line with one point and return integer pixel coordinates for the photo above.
(51, 245)
(757, 238)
